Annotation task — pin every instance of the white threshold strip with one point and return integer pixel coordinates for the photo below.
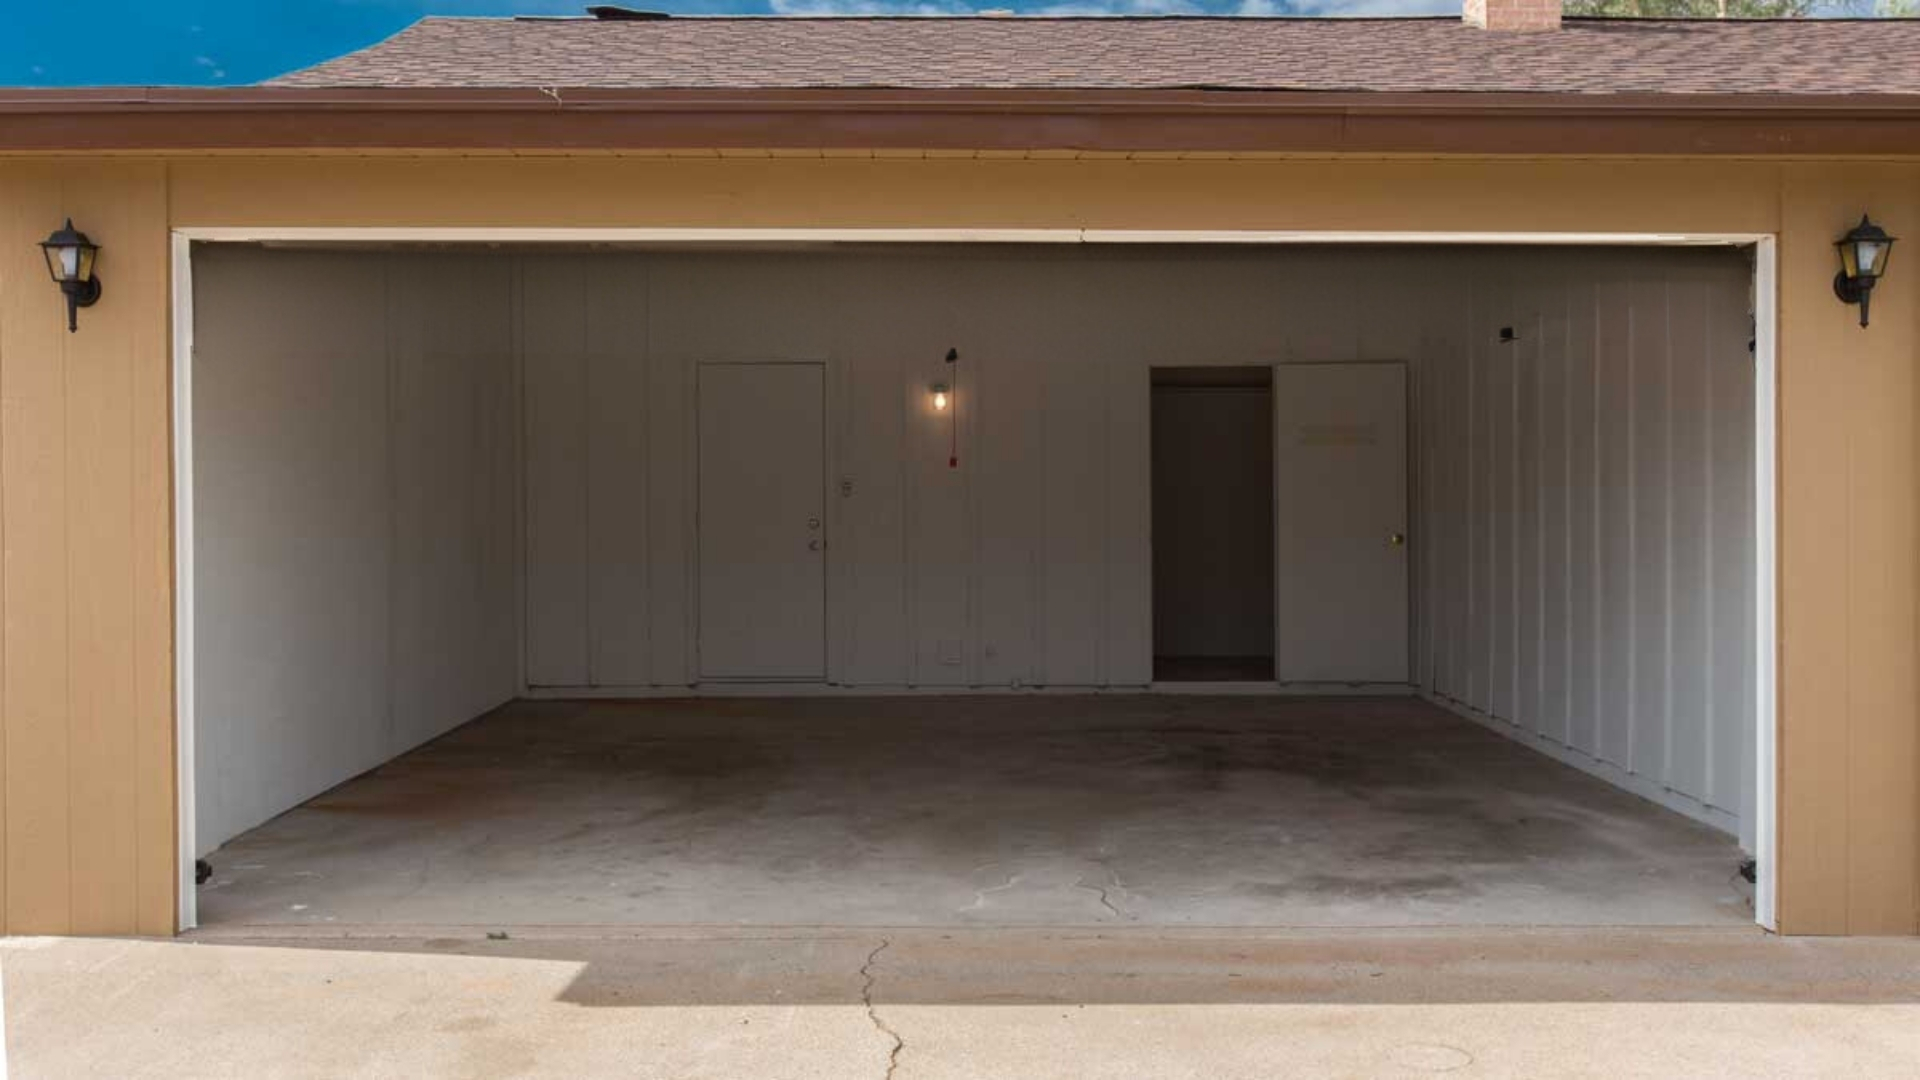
(1765, 390)
(744, 688)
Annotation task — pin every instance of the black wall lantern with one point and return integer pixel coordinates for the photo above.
(70, 258)
(1863, 258)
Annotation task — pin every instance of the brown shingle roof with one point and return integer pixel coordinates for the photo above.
(1589, 56)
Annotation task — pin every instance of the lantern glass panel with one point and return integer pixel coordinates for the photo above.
(1867, 256)
(62, 262)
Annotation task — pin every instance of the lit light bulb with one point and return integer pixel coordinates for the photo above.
(939, 398)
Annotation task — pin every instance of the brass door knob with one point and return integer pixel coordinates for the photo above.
(1396, 539)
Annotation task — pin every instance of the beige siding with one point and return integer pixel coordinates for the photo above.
(1850, 703)
(85, 666)
(1850, 756)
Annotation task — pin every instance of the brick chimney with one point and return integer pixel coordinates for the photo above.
(1512, 14)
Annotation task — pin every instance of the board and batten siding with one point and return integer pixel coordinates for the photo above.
(86, 679)
(1587, 490)
(1583, 494)
(356, 517)
(86, 682)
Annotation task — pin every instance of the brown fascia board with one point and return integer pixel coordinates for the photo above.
(526, 119)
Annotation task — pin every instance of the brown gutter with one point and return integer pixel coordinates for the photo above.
(300, 118)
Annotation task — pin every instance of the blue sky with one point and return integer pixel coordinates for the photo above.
(225, 42)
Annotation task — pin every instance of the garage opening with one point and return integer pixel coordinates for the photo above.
(640, 584)
(1213, 524)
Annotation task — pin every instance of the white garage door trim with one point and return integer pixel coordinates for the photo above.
(1765, 317)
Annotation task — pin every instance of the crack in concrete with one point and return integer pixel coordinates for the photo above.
(980, 895)
(1102, 893)
(873, 1014)
(1114, 887)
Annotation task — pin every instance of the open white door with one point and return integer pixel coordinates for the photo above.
(761, 522)
(1340, 535)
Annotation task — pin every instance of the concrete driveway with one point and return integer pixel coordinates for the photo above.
(1001, 1003)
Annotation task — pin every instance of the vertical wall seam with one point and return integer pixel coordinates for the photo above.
(1102, 673)
(516, 337)
(845, 613)
(644, 467)
(1036, 544)
(1667, 518)
(904, 399)
(1471, 504)
(1632, 591)
(1538, 706)
(690, 512)
(64, 359)
(1567, 300)
(587, 289)
(1848, 713)
(1516, 516)
(1709, 423)
(974, 432)
(392, 507)
(1596, 616)
(129, 366)
(1043, 668)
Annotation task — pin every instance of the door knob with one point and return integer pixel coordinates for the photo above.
(813, 523)
(1396, 539)
(813, 545)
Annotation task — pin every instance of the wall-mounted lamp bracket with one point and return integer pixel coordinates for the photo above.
(1864, 251)
(70, 257)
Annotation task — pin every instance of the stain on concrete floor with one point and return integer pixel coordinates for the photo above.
(1140, 810)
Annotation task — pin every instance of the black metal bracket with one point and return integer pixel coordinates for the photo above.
(79, 294)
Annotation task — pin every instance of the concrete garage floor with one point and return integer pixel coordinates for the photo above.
(1054, 811)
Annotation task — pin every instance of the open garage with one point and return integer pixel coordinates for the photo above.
(822, 583)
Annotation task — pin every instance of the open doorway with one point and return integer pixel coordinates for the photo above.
(1213, 524)
(385, 714)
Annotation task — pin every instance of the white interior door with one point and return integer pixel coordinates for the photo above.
(1340, 536)
(761, 521)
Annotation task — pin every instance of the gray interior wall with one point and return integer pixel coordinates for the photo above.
(1029, 565)
(1212, 492)
(1582, 528)
(1588, 494)
(355, 516)
(1581, 532)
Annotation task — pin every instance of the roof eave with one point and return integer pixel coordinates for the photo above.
(278, 119)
